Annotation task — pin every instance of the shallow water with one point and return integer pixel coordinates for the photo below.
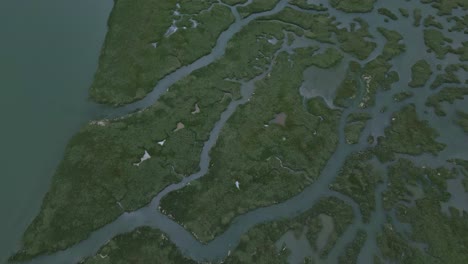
(327, 229)
(459, 196)
(299, 247)
(48, 55)
(323, 82)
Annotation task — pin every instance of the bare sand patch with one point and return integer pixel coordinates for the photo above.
(197, 109)
(280, 119)
(146, 156)
(179, 126)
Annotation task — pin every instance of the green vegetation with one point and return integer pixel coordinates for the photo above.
(399, 97)
(353, 132)
(356, 123)
(98, 176)
(234, 2)
(257, 6)
(353, 6)
(462, 51)
(408, 182)
(463, 163)
(448, 94)
(313, 26)
(271, 163)
(420, 73)
(407, 135)
(355, 41)
(358, 117)
(352, 250)
(448, 237)
(259, 244)
(461, 24)
(321, 26)
(349, 87)
(396, 248)
(446, 6)
(463, 122)
(99, 161)
(129, 69)
(273, 146)
(376, 73)
(449, 76)
(143, 245)
(305, 4)
(445, 78)
(386, 12)
(404, 12)
(329, 58)
(417, 17)
(393, 47)
(358, 179)
(430, 21)
(192, 7)
(437, 42)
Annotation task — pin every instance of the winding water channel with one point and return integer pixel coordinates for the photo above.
(221, 245)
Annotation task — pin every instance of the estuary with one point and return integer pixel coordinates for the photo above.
(367, 152)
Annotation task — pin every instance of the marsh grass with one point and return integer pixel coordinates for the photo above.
(437, 42)
(353, 6)
(271, 163)
(448, 230)
(350, 86)
(143, 245)
(358, 179)
(387, 13)
(130, 66)
(447, 94)
(259, 244)
(305, 4)
(407, 134)
(257, 6)
(354, 248)
(420, 73)
(98, 178)
(463, 122)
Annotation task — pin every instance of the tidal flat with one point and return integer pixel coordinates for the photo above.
(228, 152)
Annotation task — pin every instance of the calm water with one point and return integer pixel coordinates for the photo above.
(48, 54)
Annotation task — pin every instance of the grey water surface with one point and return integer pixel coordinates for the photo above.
(48, 55)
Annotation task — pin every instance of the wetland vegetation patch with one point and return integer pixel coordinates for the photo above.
(271, 163)
(379, 195)
(353, 6)
(420, 73)
(154, 45)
